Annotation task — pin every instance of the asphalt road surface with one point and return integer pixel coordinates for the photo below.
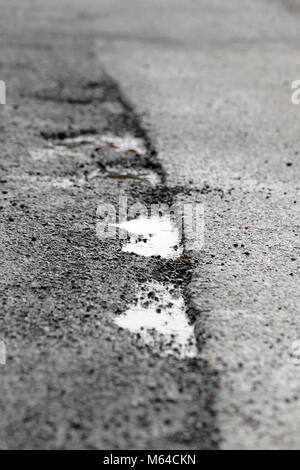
(159, 102)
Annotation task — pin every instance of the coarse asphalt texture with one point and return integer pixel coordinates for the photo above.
(73, 379)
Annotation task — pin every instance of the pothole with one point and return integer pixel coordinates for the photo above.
(79, 141)
(126, 143)
(124, 174)
(159, 318)
(154, 236)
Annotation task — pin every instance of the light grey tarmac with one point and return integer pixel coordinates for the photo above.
(213, 83)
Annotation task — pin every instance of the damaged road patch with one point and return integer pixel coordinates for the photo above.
(158, 317)
(99, 385)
